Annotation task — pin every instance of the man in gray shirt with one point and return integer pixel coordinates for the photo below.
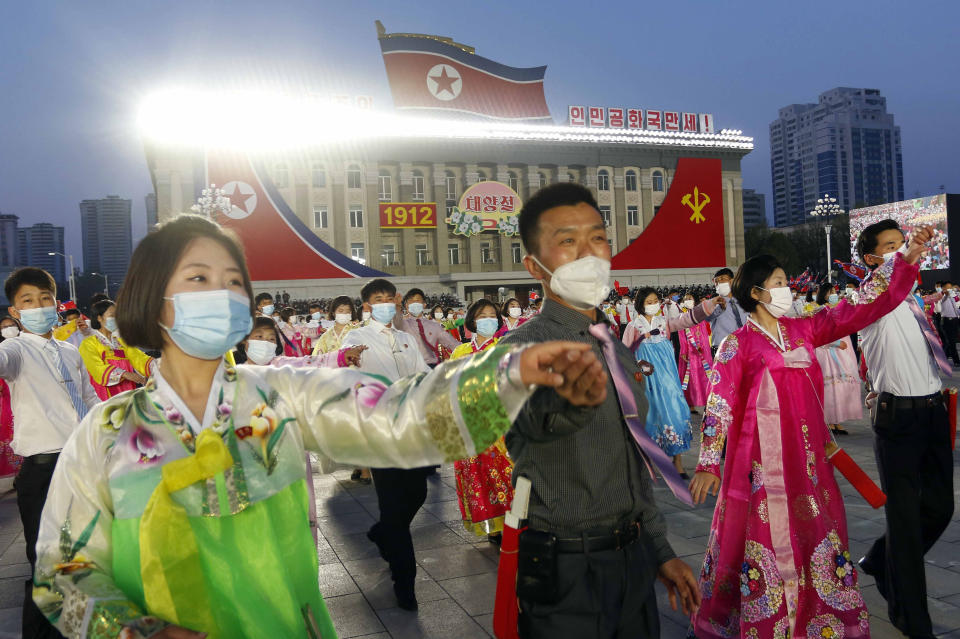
(728, 316)
(590, 488)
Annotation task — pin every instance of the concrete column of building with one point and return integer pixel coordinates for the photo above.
(371, 212)
(532, 183)
(619, 210)
(338, 217)
(739, 242)
(471, 175)
(408, 255)
(729, 219)
(440, 256)
(301, 193)
(646, 198)
(503, 174)
(562, 173)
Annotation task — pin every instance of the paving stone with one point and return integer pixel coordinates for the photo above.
(486, 622)
(442, 619)
(10, 622)
(941, 582)
(11, 592)
(334, 581)
(355, 546)
(944, 615)
(445, 510)
(15, 570)
(454, 561)
(345, 524)
(352, 616)
(473, 592)
(380, 594)
(424, 518)
(433, 536)
(880, 628)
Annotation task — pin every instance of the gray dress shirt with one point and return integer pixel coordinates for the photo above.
(724, 321)
(582, 462)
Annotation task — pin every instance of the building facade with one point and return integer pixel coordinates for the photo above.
(107, 237)
(846, 145)
(336, 193)
(754, 208)
(35, 245)
(150, 201)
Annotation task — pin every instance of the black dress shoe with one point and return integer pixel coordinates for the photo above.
(406, 599)
(879, 575)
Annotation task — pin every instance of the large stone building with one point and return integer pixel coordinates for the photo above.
(335, 191)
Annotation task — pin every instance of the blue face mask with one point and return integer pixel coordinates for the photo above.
(675, 297)
(110, 323)
(384, 313)
(39, 321)
(487, 326)
(267, 310)
(833, 298)
(207, 324)
(316, 316)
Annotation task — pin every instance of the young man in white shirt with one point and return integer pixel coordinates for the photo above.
(392, 354)
(50, 392)
(914, 458)
(430, 335)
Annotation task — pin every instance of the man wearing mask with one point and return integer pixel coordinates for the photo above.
(625, 312)
(265, 305)
(430, 335)
(728, 316)
(392, 354)
(950, 320)
(594, 526)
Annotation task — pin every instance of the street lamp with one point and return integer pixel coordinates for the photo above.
(73, 286)
(826, 209)
(106, 283)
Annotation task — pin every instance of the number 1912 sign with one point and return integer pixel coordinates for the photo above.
(408, 215)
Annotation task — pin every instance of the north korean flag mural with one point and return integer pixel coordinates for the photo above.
(436, 75)
(687, 231)
(278, 245)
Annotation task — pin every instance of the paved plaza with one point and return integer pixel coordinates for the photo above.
(457, 576)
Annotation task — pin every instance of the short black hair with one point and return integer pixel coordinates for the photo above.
(140, 302)
(505, 309)
(97, 297)
(470, 321)
(412, 292)
(867, 242)
(71, 311)
(343, 300)
(28, 275)
(433, 311)
(261, 297)
(641, 297)
(723, 271)
(752, 274)
(316, 305)
(97, 310)
(823, 292)
(552, 196)
(378, 285)
(240, 357)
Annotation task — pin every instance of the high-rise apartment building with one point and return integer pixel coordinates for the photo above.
(151, 202)
(107, 243)
(35, 243)
(846, 145)
(754, 208)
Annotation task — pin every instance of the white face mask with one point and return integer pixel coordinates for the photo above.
(515, 311)
(651, 309)
(10, 332)
(582, 283)
(780, 300)
(688, 304)
(365, 315)
(260, 351)
(415, 309)
(723, 288)
(438, 316)
(343, 318)
(889, 256)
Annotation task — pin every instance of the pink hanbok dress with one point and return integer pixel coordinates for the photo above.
(841, 382)
(777, 563)
(696, 362)
(9, 461)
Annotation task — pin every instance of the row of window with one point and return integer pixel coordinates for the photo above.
(390, 256)
(318, 178)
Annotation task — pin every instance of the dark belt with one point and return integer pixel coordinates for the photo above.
(906, 403)
(615, 540)
(43, 459)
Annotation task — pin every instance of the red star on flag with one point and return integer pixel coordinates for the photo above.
(239, 199)
(444, 82)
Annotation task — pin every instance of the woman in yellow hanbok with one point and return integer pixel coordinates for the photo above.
(114, 367)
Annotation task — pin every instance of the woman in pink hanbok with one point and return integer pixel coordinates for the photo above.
(695, 357)
(777, 563)
(841, 377)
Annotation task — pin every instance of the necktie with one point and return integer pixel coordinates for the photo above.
(423, 336)
(78, 404)
(932, 340)
(648, 448)
(736, 313)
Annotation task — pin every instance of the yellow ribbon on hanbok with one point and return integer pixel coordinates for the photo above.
(169, 561)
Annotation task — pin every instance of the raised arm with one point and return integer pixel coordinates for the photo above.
(887, 287)
(700, 313)
(9, 360)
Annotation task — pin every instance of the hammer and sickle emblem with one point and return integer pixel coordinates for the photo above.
(699, 201)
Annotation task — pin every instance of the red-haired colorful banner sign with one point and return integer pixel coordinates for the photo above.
(278, 245)
(688, 230)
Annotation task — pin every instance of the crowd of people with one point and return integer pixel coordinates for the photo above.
(164, 443)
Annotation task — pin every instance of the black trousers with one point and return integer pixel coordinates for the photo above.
(950, 326)
(31, 484)
(400, 494)
(916, 472)
(603, 595)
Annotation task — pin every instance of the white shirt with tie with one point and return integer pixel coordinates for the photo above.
(390, 353)
(44, 414)
(898, 357)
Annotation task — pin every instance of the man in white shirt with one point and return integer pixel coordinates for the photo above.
(392, 354)
(430, 335)
(904, 362)
(950, 320)
(50, 392)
